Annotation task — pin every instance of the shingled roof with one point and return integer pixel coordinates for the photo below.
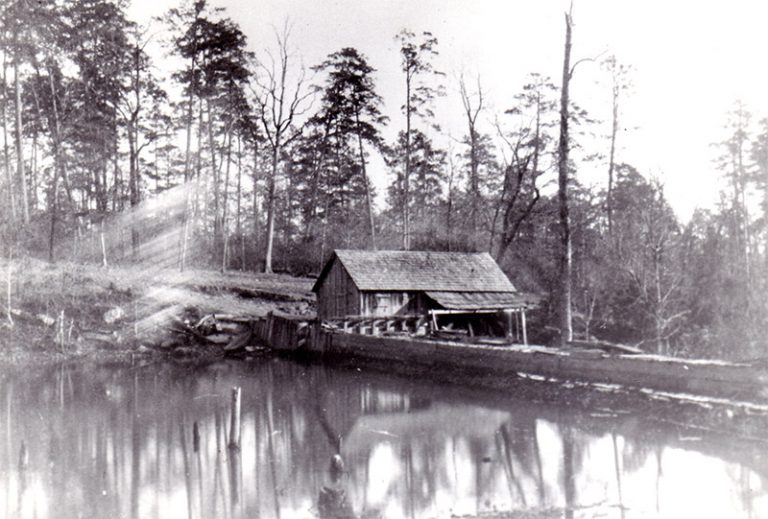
(420, 271)
(483, 300)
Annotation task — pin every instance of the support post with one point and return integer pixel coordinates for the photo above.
(525, 331)
(103, 244)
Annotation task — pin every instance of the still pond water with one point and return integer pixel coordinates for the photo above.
(151, 441)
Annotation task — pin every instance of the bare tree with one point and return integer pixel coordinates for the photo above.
(279, 105)
(651, 272)
(472, 111)
(450, 200)
(563, 165)
(515, 205)
(619, 83)
(566, 266)
(524, 158)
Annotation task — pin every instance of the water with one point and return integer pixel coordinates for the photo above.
(122, 441)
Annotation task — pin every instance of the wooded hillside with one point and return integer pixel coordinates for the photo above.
(237, 160)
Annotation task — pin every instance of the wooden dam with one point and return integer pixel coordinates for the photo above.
(457, 317)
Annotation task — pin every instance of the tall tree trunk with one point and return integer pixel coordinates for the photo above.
(198, 167)
(6, 150)
(449, 207)
(368, 201)
(225, 200)
(35, 143)
(33, 171)
(564, 289)
(19, 149)
(118, 190)
(407, 172)
(215, 178)
(765, 219)
(193, 198)
(187, 166)
(271, 207)
(659, 310)
(745, 215)
(55, 140)
(474, 161)
(133, 180)
(611, 158)
(238, 223)
(256, 209)
(134, 184)
(190, 109)
(9, 286)
(474, 195)
(53, 208)
(317, 170)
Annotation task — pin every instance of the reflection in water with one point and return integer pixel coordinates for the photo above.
(161, 441)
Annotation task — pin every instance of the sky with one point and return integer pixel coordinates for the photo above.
(691, 61)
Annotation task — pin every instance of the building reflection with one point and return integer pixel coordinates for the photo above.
(153, 441)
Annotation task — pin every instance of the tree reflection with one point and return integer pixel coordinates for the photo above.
(153, 441)
(569, 472)
(504, 443)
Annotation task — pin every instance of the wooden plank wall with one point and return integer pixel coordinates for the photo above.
(337, 296)
(282, 332)
(694, 377)
(381, 304)
(293, 334)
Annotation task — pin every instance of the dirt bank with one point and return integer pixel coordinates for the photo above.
(72, 309)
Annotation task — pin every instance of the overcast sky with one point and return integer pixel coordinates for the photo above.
(692, 60)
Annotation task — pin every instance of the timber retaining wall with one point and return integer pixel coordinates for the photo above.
(296, 335)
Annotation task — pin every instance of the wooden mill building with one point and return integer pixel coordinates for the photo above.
(450, 289)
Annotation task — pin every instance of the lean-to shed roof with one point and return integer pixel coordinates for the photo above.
(420, 271)
(483, 300)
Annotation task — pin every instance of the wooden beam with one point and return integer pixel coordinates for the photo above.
(434, 320)
(525, 332)
(447, 312)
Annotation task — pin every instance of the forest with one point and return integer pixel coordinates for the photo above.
(237, 160)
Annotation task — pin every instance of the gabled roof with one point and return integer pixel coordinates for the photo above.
(420, 271)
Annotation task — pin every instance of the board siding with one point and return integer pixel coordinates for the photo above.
(381, 304)
(337, 296)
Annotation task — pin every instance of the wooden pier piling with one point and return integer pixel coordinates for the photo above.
(234, 423)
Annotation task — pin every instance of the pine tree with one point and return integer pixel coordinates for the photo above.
(416, 55)
(351, 106)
